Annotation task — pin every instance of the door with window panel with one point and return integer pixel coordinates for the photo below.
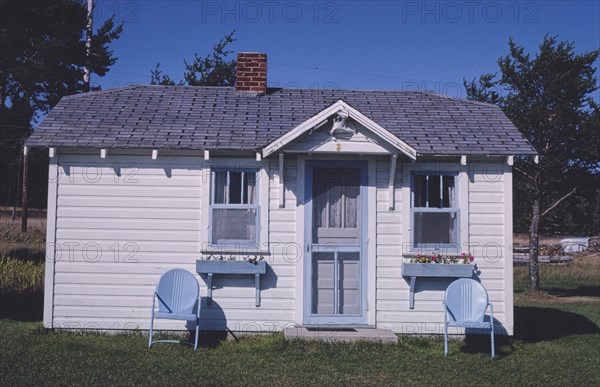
(335, 246)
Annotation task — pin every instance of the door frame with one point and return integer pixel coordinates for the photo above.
(307, 317)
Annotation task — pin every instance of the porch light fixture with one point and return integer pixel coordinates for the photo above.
(340, 124)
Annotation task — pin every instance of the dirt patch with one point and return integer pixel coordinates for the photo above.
(579, 299)
(544, 297)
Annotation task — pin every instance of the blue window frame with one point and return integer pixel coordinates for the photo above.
(434, 212)
(234, 208)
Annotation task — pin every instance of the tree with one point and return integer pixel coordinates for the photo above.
(42, 58)
(549, 99)
(211, 70)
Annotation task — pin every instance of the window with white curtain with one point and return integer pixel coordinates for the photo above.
(234, 208)
(434, 211)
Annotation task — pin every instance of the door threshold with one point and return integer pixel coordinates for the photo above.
(334, 327)
(352, 334)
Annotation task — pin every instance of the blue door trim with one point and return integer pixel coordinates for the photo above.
(309, 318)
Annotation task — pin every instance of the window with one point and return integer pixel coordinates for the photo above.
(234, 208)
(434, 211)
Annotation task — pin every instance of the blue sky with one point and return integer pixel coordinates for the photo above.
(429, 45)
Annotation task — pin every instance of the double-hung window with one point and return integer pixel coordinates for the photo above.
(234, 207)
(434, 211)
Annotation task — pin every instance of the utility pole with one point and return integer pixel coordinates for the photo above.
(88, 44)
(24, 198)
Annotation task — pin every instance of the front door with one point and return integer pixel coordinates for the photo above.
(335, 265)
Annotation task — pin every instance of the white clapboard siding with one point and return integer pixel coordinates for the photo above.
(487, 228)
(486, 220)
(124, 220)
(389, 236)
(121, 222)
(142, 213)
(125, 202)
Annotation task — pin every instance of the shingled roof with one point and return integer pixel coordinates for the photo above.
(218, 118)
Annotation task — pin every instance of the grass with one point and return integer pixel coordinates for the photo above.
(584, 271)
(17, 276)
(556, 342)
(544, 352)
(29, 246)
(22, 266)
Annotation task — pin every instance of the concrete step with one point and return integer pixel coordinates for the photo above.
(346, 334)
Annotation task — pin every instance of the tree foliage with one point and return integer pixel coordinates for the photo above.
(549, 99)
(42, 58)
(213, 69)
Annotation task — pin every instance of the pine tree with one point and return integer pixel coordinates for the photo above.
(42, 58)
(211, 70)
(549, 99)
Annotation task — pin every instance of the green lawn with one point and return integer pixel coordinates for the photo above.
(557, 343)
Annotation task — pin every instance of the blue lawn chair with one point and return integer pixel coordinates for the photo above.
(465, 303)
(177, 292)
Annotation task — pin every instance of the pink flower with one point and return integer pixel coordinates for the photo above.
(471, 258)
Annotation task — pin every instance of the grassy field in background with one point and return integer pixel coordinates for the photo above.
(582, 273)
(22, 266)
(556, 342)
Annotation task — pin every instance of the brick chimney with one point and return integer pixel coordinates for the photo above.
(251, 75)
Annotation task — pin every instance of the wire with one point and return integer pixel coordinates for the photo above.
(316, 68)
(153, 49)
(353, 72)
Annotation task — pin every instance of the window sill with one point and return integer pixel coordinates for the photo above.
(234, 250)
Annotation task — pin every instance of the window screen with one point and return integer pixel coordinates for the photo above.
(435, 211)
(233, 209)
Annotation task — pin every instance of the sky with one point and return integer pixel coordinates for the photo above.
(366, 45)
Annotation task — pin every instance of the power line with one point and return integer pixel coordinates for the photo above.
(354, 72)
(153, 49)
(315, 68)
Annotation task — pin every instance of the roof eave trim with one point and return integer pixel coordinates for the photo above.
(374, 127)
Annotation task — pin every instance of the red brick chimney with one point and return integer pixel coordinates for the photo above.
(251, 75)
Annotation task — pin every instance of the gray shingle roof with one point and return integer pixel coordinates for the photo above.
(215, 118)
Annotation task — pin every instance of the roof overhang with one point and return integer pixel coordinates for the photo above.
(337, 107)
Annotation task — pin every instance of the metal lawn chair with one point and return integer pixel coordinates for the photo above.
(177, 293)
(465, 304)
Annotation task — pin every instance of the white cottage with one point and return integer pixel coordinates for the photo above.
(334, 189)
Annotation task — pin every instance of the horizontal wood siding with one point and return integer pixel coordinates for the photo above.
(389, 243)
(124, 220)
(487, 228)
(486, 235)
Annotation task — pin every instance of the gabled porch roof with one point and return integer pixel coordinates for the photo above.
(321, 117)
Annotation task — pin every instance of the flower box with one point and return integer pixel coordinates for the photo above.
(449, 270)
(230, 267)
(437, 270)
(224, 267)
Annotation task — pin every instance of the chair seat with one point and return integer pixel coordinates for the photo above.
(176, 316)
(468, 324)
